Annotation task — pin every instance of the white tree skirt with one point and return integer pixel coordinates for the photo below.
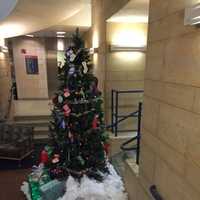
(112, 188)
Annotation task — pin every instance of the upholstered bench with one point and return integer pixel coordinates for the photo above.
(16, 142)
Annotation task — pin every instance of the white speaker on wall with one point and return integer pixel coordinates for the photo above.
(192, 15)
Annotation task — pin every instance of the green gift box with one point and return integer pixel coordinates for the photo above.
(35, 183)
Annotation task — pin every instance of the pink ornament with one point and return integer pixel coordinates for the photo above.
(67, 110)
(56, 158)
(66, 93)
(70, 135)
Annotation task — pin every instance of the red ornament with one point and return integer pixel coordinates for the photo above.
(95, 122)
(55, 99)
(44, 157)
(106, 147)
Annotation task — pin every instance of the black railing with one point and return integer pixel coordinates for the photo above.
(136, 138)
(117, 118)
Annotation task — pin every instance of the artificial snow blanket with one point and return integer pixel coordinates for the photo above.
(111, 188)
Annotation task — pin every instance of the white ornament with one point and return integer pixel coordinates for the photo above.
(72, 57)
(71, 70)
(60, 99)
(85, 68)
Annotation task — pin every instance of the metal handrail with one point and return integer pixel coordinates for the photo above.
(115, 109)
(123, 118)
(137, 138)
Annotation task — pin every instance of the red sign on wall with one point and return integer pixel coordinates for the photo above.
(23, 51)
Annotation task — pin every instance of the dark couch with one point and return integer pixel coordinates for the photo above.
(16, 141)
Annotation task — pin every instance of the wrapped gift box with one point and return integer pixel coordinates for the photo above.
(52, 190)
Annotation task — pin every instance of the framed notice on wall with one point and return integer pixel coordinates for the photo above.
(31, 64)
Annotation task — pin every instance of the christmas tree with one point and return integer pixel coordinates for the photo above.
(78, 137)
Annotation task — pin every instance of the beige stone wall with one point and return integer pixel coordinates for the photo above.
(52, 69)
(30, 86)
(87, 36)
(5, 84)
(115, 70)
(170, 146)
(125, 70)
(101, 10)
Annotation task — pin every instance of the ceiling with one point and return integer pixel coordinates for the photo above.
(81, 19)
(6, 7)
(46, 17)
(29, 16)
(135, 11)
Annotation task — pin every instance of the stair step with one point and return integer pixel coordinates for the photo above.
(41, 130)
(34, 123)
(39, 137)
(31, 117)
(44, 139)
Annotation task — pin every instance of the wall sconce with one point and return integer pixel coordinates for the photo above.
(192, 15)
(60, 44)
(3, 49)
(114, 48)
(93, 50)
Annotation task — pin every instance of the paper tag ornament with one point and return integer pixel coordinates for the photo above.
(69, 52)
(60, 99)
(70, 135)
(72, 57)
(62, 124)
(71, 70)
(85, 68)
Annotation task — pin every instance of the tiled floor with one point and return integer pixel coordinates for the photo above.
(12, 177)
(118, 160)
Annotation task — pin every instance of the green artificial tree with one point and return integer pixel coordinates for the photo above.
(79, 141)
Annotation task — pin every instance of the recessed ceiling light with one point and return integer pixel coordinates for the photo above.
(30, 35)
(60, 36)
(60, 32)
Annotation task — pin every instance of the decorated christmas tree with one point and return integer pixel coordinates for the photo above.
(74, 165)
(78, 134)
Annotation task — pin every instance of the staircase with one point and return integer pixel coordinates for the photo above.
(35, 113)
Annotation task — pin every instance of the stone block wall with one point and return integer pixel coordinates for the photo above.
(170, 148)
(30, 86)
(125, 70)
